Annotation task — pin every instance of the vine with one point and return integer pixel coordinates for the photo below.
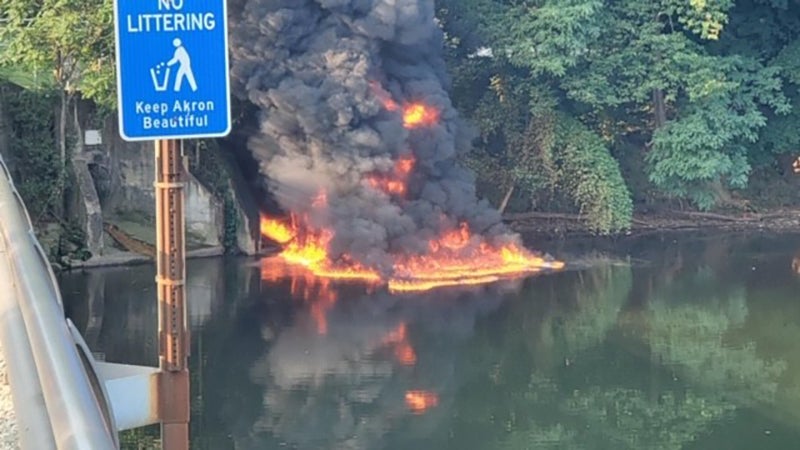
(33, 143)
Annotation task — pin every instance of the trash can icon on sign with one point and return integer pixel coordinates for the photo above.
(160, 82)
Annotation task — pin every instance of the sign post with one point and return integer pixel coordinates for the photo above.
(173, 326)
(172, 84)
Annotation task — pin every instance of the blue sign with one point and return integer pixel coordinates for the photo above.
(172, 69)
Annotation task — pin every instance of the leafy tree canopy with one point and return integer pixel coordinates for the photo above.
(699, 81)
(71, 41)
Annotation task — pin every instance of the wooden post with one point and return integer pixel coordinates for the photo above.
(173, 328)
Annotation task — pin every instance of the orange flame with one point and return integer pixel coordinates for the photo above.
(456, 258)
(419, 401)
(310, 250)
(396, 182)
(415, 114)
(419, 115)
(276, 230)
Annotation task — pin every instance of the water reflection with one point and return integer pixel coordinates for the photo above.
(354, 365)
(692, 350)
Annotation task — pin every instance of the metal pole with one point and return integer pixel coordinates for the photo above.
(173, 328)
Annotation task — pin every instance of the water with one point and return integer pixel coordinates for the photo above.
(691, 346)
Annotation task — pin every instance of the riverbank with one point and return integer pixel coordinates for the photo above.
(9, 439)
(558, 225)
(553, 227)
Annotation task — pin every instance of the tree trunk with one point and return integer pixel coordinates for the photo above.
(62, 130)
(78, 149)
(506, 199)
(659, 107)
(61, 142)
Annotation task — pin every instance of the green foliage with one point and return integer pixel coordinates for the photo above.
(720, 66)
(37, 170)
(71, 245)
(704, 18)
(71, 41)
(146, 438)
(523, 143)
(591, 176)
(789, 61)
(723, 111)
(780, 135)
(549, 37)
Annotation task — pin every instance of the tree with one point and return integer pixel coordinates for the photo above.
(658, 72)
(526, 143)
(705, 144)
(71, 39)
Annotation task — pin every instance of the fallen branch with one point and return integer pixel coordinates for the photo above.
(715, 216)
(542, 215)
(506, 199)
(129, 242)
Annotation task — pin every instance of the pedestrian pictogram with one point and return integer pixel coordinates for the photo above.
(184, 62)
(172, 69)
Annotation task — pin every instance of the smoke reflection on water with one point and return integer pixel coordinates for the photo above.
(348, 383)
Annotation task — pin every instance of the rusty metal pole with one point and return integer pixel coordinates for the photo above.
(173, 329)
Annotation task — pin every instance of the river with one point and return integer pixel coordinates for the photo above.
(692, 345)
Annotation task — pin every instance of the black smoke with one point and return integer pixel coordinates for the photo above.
(311, 66)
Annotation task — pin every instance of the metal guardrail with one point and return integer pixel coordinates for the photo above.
(57, 400)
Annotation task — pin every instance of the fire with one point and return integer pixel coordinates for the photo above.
(276, 230)
(419, 115)
(419, 401)
(310, 250)
(415, 114)
(453, 240)
(394, 183)
(458, 257)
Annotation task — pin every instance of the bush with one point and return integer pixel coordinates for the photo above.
(33, 143)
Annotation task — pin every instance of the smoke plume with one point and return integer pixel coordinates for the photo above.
(318, 69)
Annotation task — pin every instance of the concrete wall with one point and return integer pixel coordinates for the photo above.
(131, 173)
(205, 214)
(131, 191)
